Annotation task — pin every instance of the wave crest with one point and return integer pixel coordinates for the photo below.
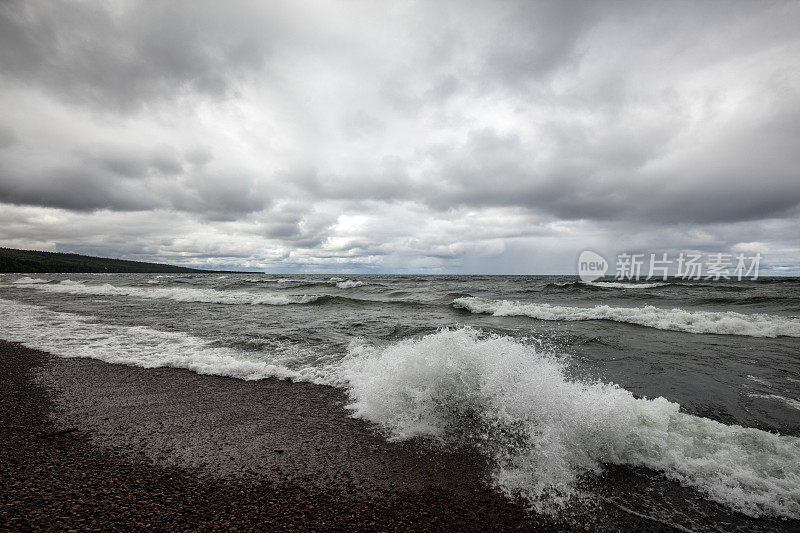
(720, 322)
(623, 285)
(178, 294)
(69, 335)
(25, 280)
(545, 433)
(349, 284)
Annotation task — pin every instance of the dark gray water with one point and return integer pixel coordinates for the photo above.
(438, 350)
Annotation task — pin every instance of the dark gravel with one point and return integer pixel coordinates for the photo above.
(140, 449)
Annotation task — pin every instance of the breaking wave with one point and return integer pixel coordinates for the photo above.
(600, 285)
(305, 282)
(349, 284)
(622, 285)
(720, 322)
(70, 335)
(178, 294)
(25, 280)
(546, 433)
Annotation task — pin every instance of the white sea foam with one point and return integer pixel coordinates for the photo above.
(70, 335)
(546, 432)
(307, 281)
(622, 285)
(721, 322)
(25, 280)
(179, 294)
(349, 284)
(791, 402)
(760, 381)
(342, 283)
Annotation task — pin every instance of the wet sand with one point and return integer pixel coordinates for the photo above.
(169, 449)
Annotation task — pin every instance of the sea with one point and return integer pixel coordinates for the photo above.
(678, 400)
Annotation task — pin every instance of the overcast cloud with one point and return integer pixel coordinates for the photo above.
(490, 137)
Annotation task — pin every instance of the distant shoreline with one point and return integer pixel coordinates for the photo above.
(13, 261)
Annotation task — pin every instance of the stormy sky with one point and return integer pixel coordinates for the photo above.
(430, 137)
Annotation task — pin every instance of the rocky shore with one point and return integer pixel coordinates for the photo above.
(85, 445)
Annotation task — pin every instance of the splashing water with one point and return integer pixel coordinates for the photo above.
(546, 432)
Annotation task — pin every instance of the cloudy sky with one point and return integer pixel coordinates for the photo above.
(432, 137)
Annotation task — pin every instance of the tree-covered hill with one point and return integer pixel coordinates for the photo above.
(25, 261)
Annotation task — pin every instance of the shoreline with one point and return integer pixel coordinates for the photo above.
(167, 448)
(70, 480)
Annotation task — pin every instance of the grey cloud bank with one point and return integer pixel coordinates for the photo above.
(496, 137)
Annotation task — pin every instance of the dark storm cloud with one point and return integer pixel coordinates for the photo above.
(388, 181)
(220, 197)
(131, 162)
(757, 178)
(127, 55)
(537, 40)
(127, 182)
(439, 135)
(82, 189)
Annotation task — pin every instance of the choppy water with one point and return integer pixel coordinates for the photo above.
(694, 383)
